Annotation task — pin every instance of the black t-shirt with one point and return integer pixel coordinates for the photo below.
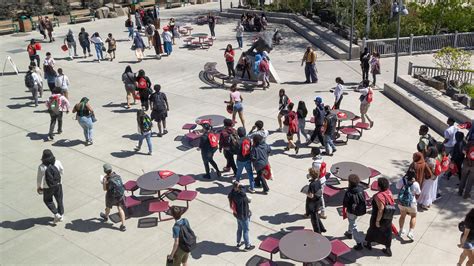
(470, 225)
(331, 128)
(240, 157)
(241, 203)
(315, 188)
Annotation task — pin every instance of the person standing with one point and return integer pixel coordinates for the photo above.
(239, 34)
(467, 239)
(264, 69)
(239, 204)
(85, 115)
(313, 200)
(366, 96)
(112, 46)
(243, 158)
(208, 146)
(114, 196)
(62, 82)
(318, 114)
(42, 27)
(143, 87)
(48, 25)
(167, 41)
(85, 42)
(302, 112)
(48, 183)
(211, 20)
(259, 156)
(149, 33)
(355, 206)
(291, 122)
(365, 63)
(98, 44)
(144, 125)
(319, 165)
(178, 255)
(245, 63)
(282, 107)
(380, 228)
(467, 172)
(457, 155)
(229, 60)
(57, 104)
(237, 106)
(309, 59)
(138, 21)
(129, 80)
(49, 72)
(32, 52)
(34, 83)
(258, 129)
(330, 131)
(375, 66)
(157, 44)
(71, 44)
(409, 190)
(171, 27)
(450, 136)
(130, 27)
(160, 109)
(338, 93)
(228, 137)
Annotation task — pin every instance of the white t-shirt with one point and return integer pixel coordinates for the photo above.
(49, 62)
(239, 31)
(167, 36)
(62, 82)
(449, 134)
(415, 189)
(317, 162)
(338, 91)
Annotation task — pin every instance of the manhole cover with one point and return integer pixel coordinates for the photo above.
(16, 51)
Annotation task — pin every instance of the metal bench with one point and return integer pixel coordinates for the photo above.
(147, 5)
(173, 3)
(7, 26)
(81, 16)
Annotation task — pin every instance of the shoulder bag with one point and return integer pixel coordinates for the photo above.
(389, 210)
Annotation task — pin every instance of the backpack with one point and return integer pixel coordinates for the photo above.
(187, 238)
(405, 195)
(322, 170)
(142, 84)
(52, 176)
(358, 206)
(149, 30)
(293, 123)
(370, 96)
(128, 23)
(116, 187)
(470, 153)
(159, 102)
(147, 123)
(234, 142)
(29, 80)
(213, 140)
(431, 141)
(54, 104)
(245, 147)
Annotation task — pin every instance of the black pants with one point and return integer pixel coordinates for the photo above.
(318, 226)
(230, 68)
(338, 103)
(246, 69)
(365, 73)
(211, 28)
(208, 158)
(57, 193)
(144, 98)
(317, 132)
(261, 181)
(374, 76)
(56, 117)
(35, 57)
(51, 86)
(86, 47)
(229, 156)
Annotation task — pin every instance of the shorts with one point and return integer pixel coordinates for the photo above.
(238, 107)
(111, 201)
(180, 257)
(469, 245)
(283, 112)
(159, 116)
(412, 210)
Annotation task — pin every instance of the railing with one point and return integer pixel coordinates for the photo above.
(462, 75)
(420, 44)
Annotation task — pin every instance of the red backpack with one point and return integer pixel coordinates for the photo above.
(322, 170)
(438, 169)
(292, 123)
(470, 153)
(142, 84)
(267, 172)
(370, 96)
(245, 147)
(444, 164)
(213, 139)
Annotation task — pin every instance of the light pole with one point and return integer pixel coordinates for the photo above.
(352, 30)
(399, 10)
(220, 5)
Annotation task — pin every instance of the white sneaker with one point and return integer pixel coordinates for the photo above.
(410, 236)
(57, 218)
(402, 232)
(61, 218)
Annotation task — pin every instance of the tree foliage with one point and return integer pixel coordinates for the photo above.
(452, 58)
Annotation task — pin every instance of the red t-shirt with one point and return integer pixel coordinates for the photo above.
(229, 56)
(263, 66)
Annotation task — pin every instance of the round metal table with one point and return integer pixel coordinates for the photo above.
(343, 115)
(216, 120)
(344, 169)
(305, 246)
(157, 180)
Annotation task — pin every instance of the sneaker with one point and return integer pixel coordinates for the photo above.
(371, 124)
(251, 191)
(248, 248)
(410, 236)
(368, 246)
(59, 132)
(104, 217)
(239, 244)
(165, 132)
(297, 150)
(57, 217)
(123, 228)
(61, 218)
(348, 235)
(136, 148)
(387, 251)
(51, 137)
(323, 216)
(226, 169)
(149, 153)
(358, 246)
(402, 232)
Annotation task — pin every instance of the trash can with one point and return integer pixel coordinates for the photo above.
(25, 24)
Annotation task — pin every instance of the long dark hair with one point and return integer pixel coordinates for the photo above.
(340, 81)
(302, 107)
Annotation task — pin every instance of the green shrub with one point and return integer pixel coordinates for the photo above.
(468, 89)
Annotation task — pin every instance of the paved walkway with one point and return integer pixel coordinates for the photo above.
(26, 234)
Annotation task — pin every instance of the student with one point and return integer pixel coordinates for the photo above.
(422, 172)
(112, 46)
(457, 154)
(319, 165)
(149, 33)
(98, 44)
(178, 255)
(264, 70)
(467, 240)
(62, 82)
(41, 27)
(85, 42)
(211, 20)
(313, 200)
(84, 116)
(365, 63)
(114, 196)
(309, 59)
(426, 140)
(139, 46)
(450, 136)
(375, 66)
(226, 142)
(71, 44)
(48, 25)
(138, 21)
(355, 207)
(237, 106)
(129, 80)
(160, 109)
(243, 158)
(34, 83)
(129, 26)
(32, 52)
(143, 85)
(259, 156)
(157, 44)
(258, 129)
(239, 204)
(239, 34)
(302, 112)
(291, 122)
(365, 100)
(208, 149)
(244, 62)
(48, 182)
(330, 131)
(409, 189)
(338, 93)
(144, 129)
(318, 114)
(171, 27)
(167, 38)
(57, 104)
(229, 60)
(49, 72)
(467, 172)
(282, 108)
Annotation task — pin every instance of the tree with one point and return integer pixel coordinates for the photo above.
(450, 58)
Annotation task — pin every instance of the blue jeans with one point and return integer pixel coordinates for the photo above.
(168, 47)
(330, 147)
(248, 168)
(243, 229)
(147, 136)
(86, 124)
(352, 229)
(130, 32)
(240, 42)
(98, 51)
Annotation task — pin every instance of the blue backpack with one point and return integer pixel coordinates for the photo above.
(405, 196)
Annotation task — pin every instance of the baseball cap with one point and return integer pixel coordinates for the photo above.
(107, 167)
(318, 99)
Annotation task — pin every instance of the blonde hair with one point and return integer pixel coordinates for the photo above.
(313, 173)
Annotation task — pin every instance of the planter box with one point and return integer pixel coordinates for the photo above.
(450, 91)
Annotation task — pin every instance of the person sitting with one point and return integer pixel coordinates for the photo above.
(276, 37)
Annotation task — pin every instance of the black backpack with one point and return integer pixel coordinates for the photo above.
(116, 187)
(187, 238)
(29, 80)
(149, 30)
(52, 176)
(159, 102)
(69, 38)
(358, 206)
(431, 141)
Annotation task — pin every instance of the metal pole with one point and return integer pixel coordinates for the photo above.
(395, 72)
(220, 5)
(352, 30)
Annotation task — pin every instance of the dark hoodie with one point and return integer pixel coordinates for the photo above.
(259, 156)
(349, 197)
(48, 157)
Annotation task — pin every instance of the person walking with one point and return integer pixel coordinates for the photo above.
(229, 60)
(130, 27)
(129, 81)
(380, 228)
(291, 125)
(259, 156)
(365, 63)
(319, 114)
(467, 172)
(467, 239)
(48, 25)
(167, 41)
(62, 82)
(409, 190)
(157, 44)
(243, 158)
(143, 87)
(85, 42)
(239, 34)
(32, 52)
(171, 28)
(34, 83)
(57, 104)
(48, 183)
(366, 97)
(450, 136)
(330, 132)
(282, 108)
(180, 252)
(114, 196)
(244, 62)
(208, 145)
(309, 59)
(375, 66)
(211, 20)
(42, 27)
(422, 173)
(160, 108)
(71, 44)
(227, 141)
(264, 70)
(85, 117)
(302, 112)
(239, 204)
(149, 33)
(236, 102)
(313, 200)
(138, 21)
(355, 206)
(49, 72)
(138, 46)
(112, 46)
(319, 165)
(338, 93)
(258, 129)
(144, 125)
(98, 44)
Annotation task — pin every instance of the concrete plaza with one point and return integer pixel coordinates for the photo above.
(26, 232)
